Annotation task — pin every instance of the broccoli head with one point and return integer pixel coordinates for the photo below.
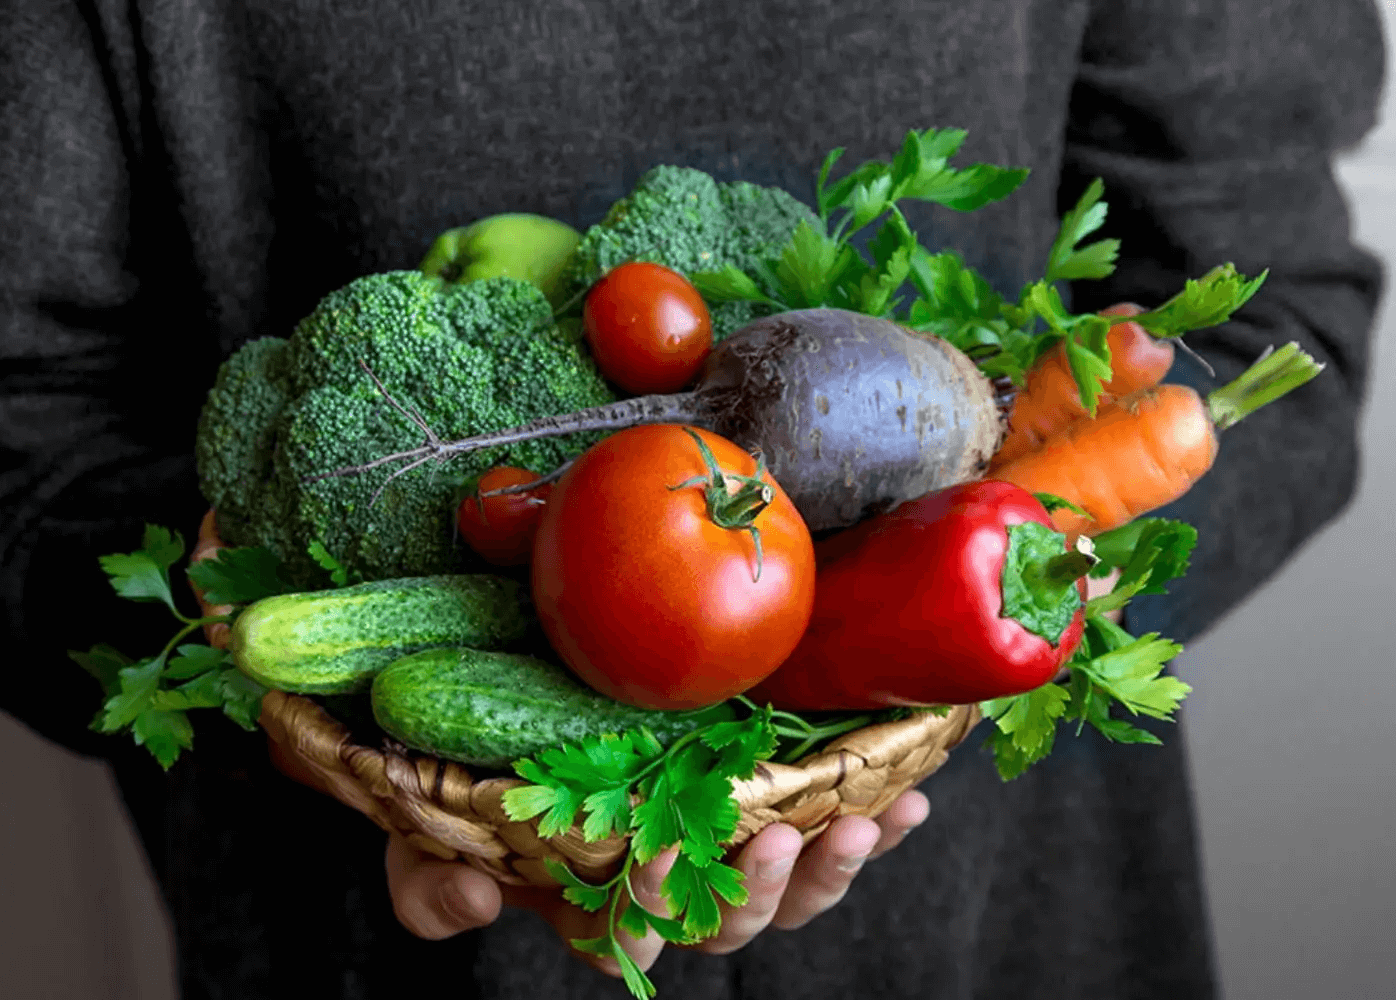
(683, 219)
(467, 358)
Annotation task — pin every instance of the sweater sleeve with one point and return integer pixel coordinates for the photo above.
(1214, 125)
(94, 414)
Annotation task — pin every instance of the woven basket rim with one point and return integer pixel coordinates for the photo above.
(446, 809)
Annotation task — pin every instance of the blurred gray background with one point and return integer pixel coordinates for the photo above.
(1290, 734)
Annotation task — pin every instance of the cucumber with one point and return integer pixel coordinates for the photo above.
(489, 708)
(334, 641)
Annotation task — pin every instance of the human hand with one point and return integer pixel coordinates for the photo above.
(787, 886)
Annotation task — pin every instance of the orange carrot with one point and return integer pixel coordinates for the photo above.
(1149, 448)
(1050, 400)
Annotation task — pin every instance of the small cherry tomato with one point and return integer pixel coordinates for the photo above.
(648, 328)
(501, 528)
(647, 576)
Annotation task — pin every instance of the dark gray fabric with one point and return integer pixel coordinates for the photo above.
(182, 176)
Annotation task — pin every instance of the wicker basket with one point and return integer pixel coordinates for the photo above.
(442, 809)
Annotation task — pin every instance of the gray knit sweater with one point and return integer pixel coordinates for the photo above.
(182, 175)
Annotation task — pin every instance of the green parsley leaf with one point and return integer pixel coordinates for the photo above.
(193, 659)
(1064, 261)
(1207, 301)
(1029, 719)
(821, 199)
(933, 180)
(339, 573)
(729, 285)
(103, 662)
(164, 734)
(635, 979)
(694, 891)
(139, 682)
(143, 575)
(589, 897)
(240, 576)
(1009, 760)
(810, 266)
(635, 920)
(604, 947)
(242, 697)
(607, 812)
(892, 249)
(526, 801)
(1150, 551)
(1131, 675)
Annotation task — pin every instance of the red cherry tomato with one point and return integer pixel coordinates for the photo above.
(648, 328)
(645, 596)
(501, 528)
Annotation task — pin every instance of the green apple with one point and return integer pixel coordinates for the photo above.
(515, 245)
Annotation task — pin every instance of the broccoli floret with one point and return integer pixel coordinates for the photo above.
(683, 219)
(468, 358)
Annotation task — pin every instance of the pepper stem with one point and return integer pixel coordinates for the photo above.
(1061, 571)
(732, 509)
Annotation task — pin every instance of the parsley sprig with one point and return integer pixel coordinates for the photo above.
(1110, 666)
(820, 267)
(151, 697)
(629, 784)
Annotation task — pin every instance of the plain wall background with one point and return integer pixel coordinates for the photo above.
(1292, 722)
(1290, 733)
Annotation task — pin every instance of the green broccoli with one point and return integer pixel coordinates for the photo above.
(467, 358)
(683, 219)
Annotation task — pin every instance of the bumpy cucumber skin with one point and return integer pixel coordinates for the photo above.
(335, 641)
(490, 708)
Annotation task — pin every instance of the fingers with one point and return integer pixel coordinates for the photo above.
(826, 869)
(905, 814)
(645, 881)
(768, 862)
(437, 899)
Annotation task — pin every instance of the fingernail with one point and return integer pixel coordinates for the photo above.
(456, 903)
(774, 871)
(651, 883)
(852, 864)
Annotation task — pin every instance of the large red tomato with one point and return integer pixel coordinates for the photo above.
(645, 595)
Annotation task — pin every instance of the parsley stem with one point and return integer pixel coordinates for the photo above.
(193, 623)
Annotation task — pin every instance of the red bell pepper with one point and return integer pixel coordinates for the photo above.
(963, 595)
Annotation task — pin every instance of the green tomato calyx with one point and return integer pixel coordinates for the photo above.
(734, 509)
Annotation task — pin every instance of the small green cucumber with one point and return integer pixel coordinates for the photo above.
(489, 708)
(334, 641)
